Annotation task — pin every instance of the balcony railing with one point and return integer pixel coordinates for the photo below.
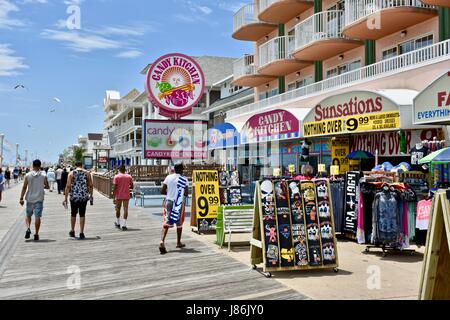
(244, 66)
(358, 9)
(427, 55)
(128, 125)
(279, 48)
(129, 145)
(320, 26)
(248, 14)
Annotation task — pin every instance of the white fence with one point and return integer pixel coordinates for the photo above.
(358, 9)
(279, 48)
(244, 66)
(427, 55)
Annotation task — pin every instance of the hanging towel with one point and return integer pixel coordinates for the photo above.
(178, 203)
(360, 234)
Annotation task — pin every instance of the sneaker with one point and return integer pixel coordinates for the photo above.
(72, 234)
(82, 237)
(36, 237)
(28, 234)
(117, 225)
(124, 228)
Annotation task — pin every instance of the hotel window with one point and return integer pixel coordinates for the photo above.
(268, 94)
(300, 83)
(408, 46)
(343, 68)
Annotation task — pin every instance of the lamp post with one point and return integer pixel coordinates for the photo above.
(2, 138)
(17, 154)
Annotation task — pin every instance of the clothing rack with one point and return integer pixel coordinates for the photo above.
(392, 188)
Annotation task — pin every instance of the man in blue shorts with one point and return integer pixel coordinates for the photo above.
(33, 187)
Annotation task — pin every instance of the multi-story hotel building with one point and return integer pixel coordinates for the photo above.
(310, 51)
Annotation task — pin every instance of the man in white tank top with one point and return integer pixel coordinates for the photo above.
(33, 187)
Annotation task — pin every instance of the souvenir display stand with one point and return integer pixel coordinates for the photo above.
(435, 280)
(293, 226)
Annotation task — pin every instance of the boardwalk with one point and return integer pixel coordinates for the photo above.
(115, 264)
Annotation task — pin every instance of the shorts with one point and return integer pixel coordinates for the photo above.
(168, 205)
(78, 207)
(35, 209)
(122, 202)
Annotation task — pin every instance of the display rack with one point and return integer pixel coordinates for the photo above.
(259, 245)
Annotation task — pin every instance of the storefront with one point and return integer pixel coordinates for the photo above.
(223, 144)
(269, 141)
(378, 122)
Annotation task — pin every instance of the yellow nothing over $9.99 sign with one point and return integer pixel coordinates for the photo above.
(207, 198)
(369, 122)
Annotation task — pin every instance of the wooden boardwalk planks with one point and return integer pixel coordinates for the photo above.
(123, 265)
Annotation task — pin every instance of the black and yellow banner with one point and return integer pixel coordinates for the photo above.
(353, 124)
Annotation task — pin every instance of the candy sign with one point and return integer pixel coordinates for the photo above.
(175, 84)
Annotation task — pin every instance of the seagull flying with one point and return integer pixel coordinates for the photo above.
(52, 110)
(57, 100)
(19, 86)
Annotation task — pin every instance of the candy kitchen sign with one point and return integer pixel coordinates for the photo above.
(171, 139)
(432, 105)
(175, 84)
(270, 126)
(353, 112)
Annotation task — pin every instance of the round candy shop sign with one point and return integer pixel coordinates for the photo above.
(175, 84)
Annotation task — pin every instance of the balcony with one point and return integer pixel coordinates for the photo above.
(276, 59)
(245, 74)
(375, 19)
(129, 146)
(320, 37)
(247, 26)
(439, 52)
(130, 124)
(439, 3)
(281, 11)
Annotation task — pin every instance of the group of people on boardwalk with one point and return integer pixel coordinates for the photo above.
(78, 189)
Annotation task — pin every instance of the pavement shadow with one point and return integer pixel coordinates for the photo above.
(132, 230)
(40, 241)
(86, 239)
(402, 257)
(310, 273)
(184, 250)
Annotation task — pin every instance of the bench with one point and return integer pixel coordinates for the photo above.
(237, 221)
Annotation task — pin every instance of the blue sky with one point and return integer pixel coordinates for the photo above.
(116, 41)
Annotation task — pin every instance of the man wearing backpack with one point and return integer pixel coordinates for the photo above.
(80, 188)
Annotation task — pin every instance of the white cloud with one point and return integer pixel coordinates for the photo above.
(6, 8)
(80, 41)
(130, 54)
(10, 65)
(34, 1)
(232, 6)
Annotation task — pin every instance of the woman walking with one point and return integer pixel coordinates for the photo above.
(7, 178)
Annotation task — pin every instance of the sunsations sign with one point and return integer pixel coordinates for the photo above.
(175, 84)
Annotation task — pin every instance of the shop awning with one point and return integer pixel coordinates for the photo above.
(361, 112)
(275, 125)
(223, 136)
(432, 105)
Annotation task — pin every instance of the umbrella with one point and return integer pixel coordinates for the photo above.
(437, 157)
(359, 155)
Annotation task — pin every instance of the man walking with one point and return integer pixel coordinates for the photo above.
(58, 173)
(175, 188)
(80, 188)
(122, 184)
(34, 185)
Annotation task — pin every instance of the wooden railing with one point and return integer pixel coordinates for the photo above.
(103, 184)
